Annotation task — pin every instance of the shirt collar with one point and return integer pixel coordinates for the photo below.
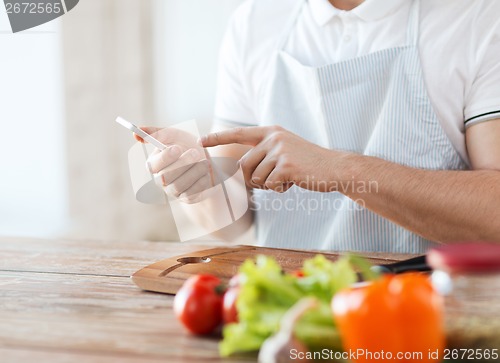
(370, 10)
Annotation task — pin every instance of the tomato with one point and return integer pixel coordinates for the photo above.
(229, 309)
(198, 304)
(395, 314)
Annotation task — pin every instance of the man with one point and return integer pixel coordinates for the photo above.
(363, 125)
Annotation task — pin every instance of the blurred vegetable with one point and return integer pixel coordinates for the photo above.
(277, 348)
(198, 304)
(395, 314)
(298, 273)
(266, 293)
(229, 311)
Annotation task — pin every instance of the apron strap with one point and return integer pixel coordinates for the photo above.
(412, 31)
(290, 24)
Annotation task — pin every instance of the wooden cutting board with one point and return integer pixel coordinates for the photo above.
(168, 275)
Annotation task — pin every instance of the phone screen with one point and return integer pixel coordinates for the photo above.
(147, 137)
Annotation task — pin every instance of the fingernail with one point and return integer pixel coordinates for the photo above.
(160, 180)
(203, 139)
(174, 150)
(153, 158)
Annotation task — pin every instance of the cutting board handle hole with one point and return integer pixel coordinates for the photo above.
(187, 260)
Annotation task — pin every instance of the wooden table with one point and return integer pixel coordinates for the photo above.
(73, 301)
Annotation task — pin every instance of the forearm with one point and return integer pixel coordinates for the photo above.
(439, 205)
(442, 206)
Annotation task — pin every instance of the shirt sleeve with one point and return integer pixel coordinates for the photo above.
(232, 102)
(483, 97)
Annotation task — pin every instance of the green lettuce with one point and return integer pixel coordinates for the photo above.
(266, 293)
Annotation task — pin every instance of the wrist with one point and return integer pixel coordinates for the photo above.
(340, 169)
(358, 175)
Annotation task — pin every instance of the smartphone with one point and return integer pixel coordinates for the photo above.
(147, 137)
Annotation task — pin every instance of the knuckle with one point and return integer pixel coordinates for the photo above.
(286, 162)
(238, 132)
(190, 159)
(281, 150)
(277, 137)
(216, 137)
(191, 156)
(164, 158)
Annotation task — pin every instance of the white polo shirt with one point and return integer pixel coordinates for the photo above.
(459, 45)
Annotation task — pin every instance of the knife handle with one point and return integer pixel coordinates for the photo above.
(413, 264)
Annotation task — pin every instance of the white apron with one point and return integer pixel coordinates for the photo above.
(374, 105)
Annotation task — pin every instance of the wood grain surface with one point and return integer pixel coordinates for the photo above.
(168, 275)
(73, 301)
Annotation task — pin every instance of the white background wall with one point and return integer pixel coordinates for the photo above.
(187, 39)
(33, 195)
(57, 176)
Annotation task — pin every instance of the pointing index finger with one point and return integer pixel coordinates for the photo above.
(251, 135)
